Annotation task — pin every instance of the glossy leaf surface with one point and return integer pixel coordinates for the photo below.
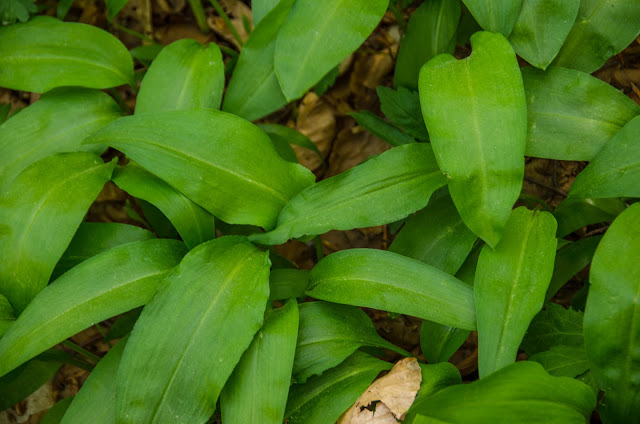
(64, 53)
(553, 326)
(573, 214)
(178, 334)
(185, 75)
(569, 261)
(563, 361)
(402, 107)
(106, 285)
(495, 15)
(611, 331)
(475, 112)
(56, 123)
(571, 115)
(391, 282)
(39, 213)
(510, 285)
(398, 182)
(317, 36)
(221, 162)
(381, 128)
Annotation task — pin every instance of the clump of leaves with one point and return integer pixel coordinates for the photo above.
(16, 10)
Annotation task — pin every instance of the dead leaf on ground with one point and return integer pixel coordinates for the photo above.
(390, 396)
(316, 120)
(353, 147)
(235, 10)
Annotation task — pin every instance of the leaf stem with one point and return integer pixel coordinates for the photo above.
(103, 334)
(319, 250)
(198, 12)
(82, 351)
(226, 20)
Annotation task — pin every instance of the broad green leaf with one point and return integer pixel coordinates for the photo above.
(114, 7)
(124, 324)
(573, 214)
(324, 398)
(96, 237)
(510, 285)
(199, 323)
(615, 170)
(257, 390)
(39, 213)
(185, 75)
(289, 135)
(563, 361)
(106, 285)
(475, 112)
(541, 29)
(398, 182)
(391, 282)
(329, 333)
(64, 54)
(553, 326)
(439, 342)
(495, 15)
(94, 402)
(146, 54)
(261, 8)
(317, 36)
(571, 115)
(7, 317)
(381, 128)
(611, 330)
(26, 379)
(221, 162)
(435, 377)
(431, 31)
(402, 107)
(522, 393)
(57, 123)
(569, 261)
(287, 283)
(56, 412)
(194, 224)
(602, 29)
(254, 91)
(12, 10)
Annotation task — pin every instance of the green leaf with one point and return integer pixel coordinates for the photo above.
(26, 379)
(327, 81)
(56, 412)
(57, 123)
(324, 398)
(402, 107)
(475, 112)
(64, 54)
(290, 136)
(553, 326)
(573, 214)
(522, 393)
(5, 110)
(569, 261)
(391, 282)
(12, 10)
(398, 182)
(287, 283)
(602, 29)
(257, 390)
(329, 333)
(541, 29)
(317, 36)
(106, 285)
(185, 75)
(7, 317)
(439, 342)
(63, 8)
(611, 331)
(39, 213)
(261, 8)
(510, 285)
(495, 15)
(194, 224)
(221, 162)
(431, 31)
(123, 325)
(96, 237)
(254, 91)
(200, 321)
(381, 128)
(114, 7)
(94, 402)
(563, 361)
(615, 170)
(435, 377)
(571, 115)
(146, 53)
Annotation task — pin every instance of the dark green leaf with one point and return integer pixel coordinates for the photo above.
(553, 326)
(567, 361)
(283, 148)
(123, 325)
(573, 214)
(381, 128)
(435, 377)
(146, 53)
(5, 109)
(260, 9)
(287, 283)
(114, 6)
(25, 380)
(7, 317)
(579, 299)
(63, 8)
(495, 15)
(289, 135)
(56, 412)
(439, 342)
(327, 81)
(12, 10)
(402, 107)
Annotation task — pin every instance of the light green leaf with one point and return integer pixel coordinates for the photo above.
(7, 317)
(563, 361)
(475, 112)
(289, 135)
(39, 213)
(287, 283)
(398, 182)
(185, 75)
(329, 333)
(317, 36)
(106, 285)
(57, 123)
(56, 412)
(381, 128)
(611, 330)
(257, 390)
(221, 162)
(541, 29)
(573, 214)
(391, 282)
(64, 54)
(615, 170)
(261, 8)
(551, 327)
(402, 107)
(495, 15)
(510, 285)
(194, 224)
(26, 379)
(324, 398)
(435, 377)
(431, 31)
(180, 334)
(602, 29)
(571, 115)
